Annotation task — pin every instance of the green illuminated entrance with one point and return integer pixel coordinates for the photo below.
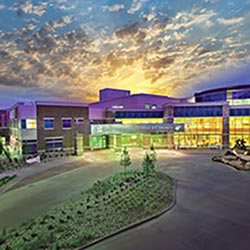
(138, 140)
(97, 141)
(131, 140)
(159, 140)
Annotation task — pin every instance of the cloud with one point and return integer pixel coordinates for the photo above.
(72, 56)
(2, 6)
(231, 21)
(136, 6)
(29, 8)
(211, 1)
(113, 8)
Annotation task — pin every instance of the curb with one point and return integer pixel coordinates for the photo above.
(131, 226)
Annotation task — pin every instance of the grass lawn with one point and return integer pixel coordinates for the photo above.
(109, 205)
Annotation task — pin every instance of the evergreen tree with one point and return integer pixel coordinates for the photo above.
(125, 159)
(153, 155)
(147, 163)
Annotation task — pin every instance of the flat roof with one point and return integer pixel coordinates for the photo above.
(66, 104)
(113, 89)
(245, 86)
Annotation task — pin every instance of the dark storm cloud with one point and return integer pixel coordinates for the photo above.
(128, 31)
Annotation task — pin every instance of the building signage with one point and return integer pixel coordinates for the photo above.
(106, 129)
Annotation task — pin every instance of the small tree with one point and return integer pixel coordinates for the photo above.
(153, 155)
(125, 159)
(148, 163)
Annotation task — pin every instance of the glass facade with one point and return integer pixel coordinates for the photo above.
(131, 140)
(239, 129)
(159, 140)
(199, 132)
(212, 97)
(198, 111)
(241, 94)
(240, 112)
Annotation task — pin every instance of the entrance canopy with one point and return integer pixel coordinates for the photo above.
(107, 129)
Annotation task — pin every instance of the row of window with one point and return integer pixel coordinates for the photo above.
(138, 114)
(212, 97)
(239, 102)
(198, 111)
(240, 112)
(241, 94)
(207, 125)
(48, 123)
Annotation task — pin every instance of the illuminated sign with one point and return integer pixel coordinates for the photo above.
(106, 129)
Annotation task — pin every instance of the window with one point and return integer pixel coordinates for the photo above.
(117, 106)
(66, 123)
(79, 120)
(29, 146)
(23, 124)
(198, 111)
(30, 123)
(53, 143)
(48, 123)
(154, 106)
(138, 114)
(147, 106)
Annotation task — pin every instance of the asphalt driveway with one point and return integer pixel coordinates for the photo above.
(212, 210)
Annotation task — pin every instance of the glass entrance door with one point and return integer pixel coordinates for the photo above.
(131, 140)
(97, 142)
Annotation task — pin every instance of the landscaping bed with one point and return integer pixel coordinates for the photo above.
(108, 206)
(6, 179)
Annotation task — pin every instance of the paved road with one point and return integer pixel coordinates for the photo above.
(212, 211)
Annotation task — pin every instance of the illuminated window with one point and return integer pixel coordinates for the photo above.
(154, 106)
(28, 124)
(147, 106)
(118, 106)
(66, 123)
(48, 123)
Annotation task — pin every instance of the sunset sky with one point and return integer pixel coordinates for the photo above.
(60, 49)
